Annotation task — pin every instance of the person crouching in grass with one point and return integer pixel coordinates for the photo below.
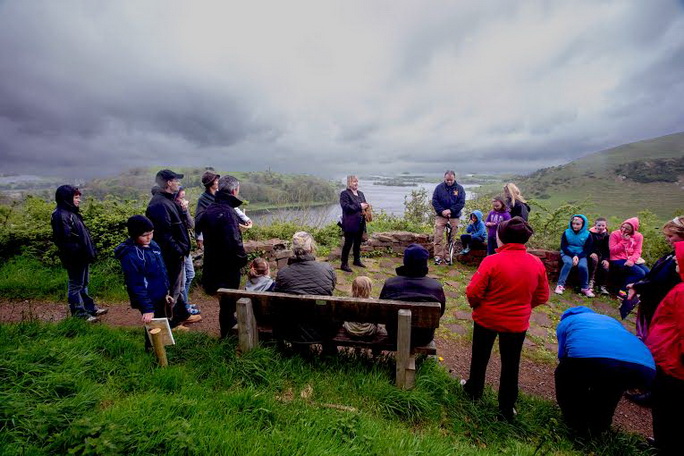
(144, 272)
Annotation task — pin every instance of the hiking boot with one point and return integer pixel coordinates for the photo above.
(181, 328)
(559, 289)
(507, 415)
(587, 292)
(643, 399)
(359, 264)
(346, 268)
(192, 319)
(603, 290)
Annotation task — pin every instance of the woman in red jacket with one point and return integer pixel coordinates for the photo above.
(502, 293)
(666, 341)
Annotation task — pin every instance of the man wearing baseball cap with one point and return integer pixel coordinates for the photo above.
(173, 239)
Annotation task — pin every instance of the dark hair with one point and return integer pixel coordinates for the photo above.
(600, 219)
(257, 268)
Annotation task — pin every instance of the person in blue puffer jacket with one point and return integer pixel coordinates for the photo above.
(476, 233)
(145, 275)
(598, 361)
(576, 244)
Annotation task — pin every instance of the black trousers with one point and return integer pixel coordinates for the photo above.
(175, 269)
(588, 390)
(352, 239)
(668, 406)
(510, 346)
(227, 305)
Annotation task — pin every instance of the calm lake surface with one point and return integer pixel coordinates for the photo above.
(389, 199)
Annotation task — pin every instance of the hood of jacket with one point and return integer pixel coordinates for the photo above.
(679, 255)
(478, 215)
(223, 196)
(634, 221)
(64, 196)
(576, 311)
(584, 226)
(121, 249)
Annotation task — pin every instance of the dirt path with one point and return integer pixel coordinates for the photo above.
(536, 378)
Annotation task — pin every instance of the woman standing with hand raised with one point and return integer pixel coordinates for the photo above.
(354, 205)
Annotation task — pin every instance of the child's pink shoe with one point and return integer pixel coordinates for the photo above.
(559, 289)
(587, 292)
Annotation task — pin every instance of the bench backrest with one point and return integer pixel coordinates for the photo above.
(270, 305)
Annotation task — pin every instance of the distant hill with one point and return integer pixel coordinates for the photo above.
(262, 189)
(620, 181)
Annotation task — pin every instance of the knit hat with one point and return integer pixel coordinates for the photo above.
(514, 231)
(138, 225)
(415, 261)
(208, 178)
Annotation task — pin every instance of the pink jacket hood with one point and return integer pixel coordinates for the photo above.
(679, 254)
(634, 221)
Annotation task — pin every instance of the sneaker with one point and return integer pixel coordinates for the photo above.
(463, 381)
(193, 310)
(181, 328)
(192, 319)
(559, 289)
(603, 290)
(466, 250)
(438, 261)
(91, 319)
(591, 285)
(99, 311)
(587, 292)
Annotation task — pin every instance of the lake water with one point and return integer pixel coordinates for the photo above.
(389, 199)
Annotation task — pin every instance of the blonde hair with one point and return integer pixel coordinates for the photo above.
(675, 226)
(361, 287)
(259, 267)
(514, 193)
(303, 243)
(351, 178)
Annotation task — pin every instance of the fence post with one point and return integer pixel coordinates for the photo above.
(158, 345)
(406, 364)
(247, 329)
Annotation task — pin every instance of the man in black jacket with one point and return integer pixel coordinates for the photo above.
(172, 236)
(210, 181)
(412, 284)
(224, 254)
(76, 250)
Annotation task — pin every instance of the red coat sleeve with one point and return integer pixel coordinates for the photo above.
(541, 293)
(476, 289)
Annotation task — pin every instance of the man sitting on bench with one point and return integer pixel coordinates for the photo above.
(411, 284)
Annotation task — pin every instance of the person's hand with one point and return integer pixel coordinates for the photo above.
(575, 260)
(594, 256)
(626, 237)
(184, 204)
(147, 317)
(169, 299)
(364, 205)
(605, 264)
(490, 223)
(446, 213)
(629, 263)
(245, 226)
(200, 244)
(631, 292)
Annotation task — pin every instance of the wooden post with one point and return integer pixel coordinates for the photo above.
(247, 328)
(406, 364)
(158, 345)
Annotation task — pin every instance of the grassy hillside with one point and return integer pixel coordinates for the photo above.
(618, 182)
(262, 189)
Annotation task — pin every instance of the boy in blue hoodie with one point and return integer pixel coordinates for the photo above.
(476, 233)
(144, 272)
(576, 244)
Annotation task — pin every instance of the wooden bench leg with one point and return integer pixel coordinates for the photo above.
(247, 329)
(406, 364)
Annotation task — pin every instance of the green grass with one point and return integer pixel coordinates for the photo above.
(79, 389)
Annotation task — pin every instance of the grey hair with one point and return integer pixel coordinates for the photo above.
(228, 183)
(303, 243)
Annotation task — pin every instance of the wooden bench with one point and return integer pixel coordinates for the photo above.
(256, 312)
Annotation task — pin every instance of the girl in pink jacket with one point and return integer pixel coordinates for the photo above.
(625, 253)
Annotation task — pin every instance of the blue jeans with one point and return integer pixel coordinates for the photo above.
(581, 268)
(80, 303)
(189, 270)
(491, 245)
(630, 274)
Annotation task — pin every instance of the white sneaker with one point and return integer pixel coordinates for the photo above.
(438, 261)
(588, 293)
(603, 290)
(559, 289)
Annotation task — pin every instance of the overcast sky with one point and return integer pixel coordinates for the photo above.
(95, 87)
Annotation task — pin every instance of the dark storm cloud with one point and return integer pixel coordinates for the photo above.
(92, 88)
